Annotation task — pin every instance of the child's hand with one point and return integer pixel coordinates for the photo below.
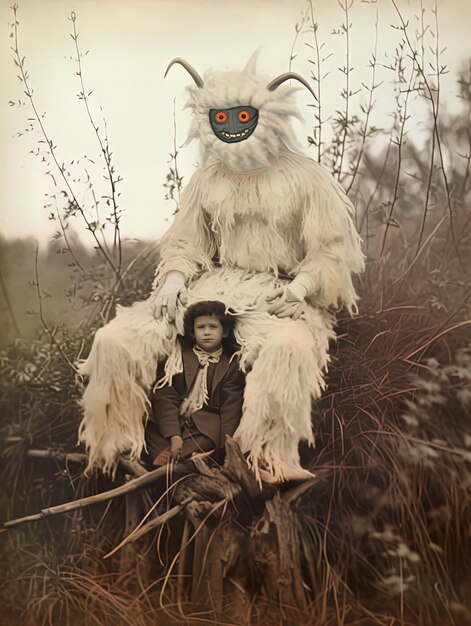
(163, 458)
(176, 445)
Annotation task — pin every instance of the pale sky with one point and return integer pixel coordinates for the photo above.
(130, 44)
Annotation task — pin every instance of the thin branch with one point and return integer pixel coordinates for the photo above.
(298, 28)
(9, 305)
(41, 316)
(403, 119)
(129, 487)
(435, 113)
(104, 147)
(342, 148)
(318, 79)
(175, 153)
(19, 62)
(108, 303)
(96, 204)
(143, 530)
(369, 107)
(432, 154)
(64, 228)
(420, 250)
(67, 242)
(173, 180)
(365, 216)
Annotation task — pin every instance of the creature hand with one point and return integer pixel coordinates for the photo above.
(285, 303)
(171, 293)
(288, 301)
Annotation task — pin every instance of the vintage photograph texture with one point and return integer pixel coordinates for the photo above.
(346, 166)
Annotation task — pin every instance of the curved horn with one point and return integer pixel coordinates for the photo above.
(276, 82)
(191, 70)
(251, 66)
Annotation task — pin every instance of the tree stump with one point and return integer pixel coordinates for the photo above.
(244, 539)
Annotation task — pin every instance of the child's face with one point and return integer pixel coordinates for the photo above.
(208, 332)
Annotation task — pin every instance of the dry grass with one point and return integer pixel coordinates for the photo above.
(383, 538)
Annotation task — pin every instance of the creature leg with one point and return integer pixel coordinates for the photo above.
(121, 367)
(286, 375)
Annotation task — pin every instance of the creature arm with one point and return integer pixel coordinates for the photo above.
(188, 246)
(331, 242)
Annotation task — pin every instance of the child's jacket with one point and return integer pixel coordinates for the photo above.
(219, 417)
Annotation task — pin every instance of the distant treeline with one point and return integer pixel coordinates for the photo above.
(65, 290)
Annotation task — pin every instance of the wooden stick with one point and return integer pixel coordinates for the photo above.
(158, 521)
(58, 455)
(132, 467)
(132, 485)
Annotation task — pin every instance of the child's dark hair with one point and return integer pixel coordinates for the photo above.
(209, 307)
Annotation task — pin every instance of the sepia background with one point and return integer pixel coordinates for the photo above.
(90, 179)
(130, 45)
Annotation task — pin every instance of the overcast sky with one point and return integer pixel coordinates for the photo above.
(130, 43)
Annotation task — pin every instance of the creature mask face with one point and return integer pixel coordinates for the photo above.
(231, 106)
(234, 124)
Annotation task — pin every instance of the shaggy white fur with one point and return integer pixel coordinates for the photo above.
(246, 87)
(286, 218)
(264, 210)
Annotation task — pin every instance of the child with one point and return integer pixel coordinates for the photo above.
(204, 402)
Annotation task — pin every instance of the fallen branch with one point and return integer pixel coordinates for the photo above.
(143, 530)
(137, 483)
(132, 467)
(58, 455)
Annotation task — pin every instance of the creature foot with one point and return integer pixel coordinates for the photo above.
(294, 473)
(289, 474)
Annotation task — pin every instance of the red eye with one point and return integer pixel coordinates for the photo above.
(243, 116)
(220, 117)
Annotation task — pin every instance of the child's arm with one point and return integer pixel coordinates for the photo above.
(166, 414)
(166, 411)
(232, 399)
(187, 247)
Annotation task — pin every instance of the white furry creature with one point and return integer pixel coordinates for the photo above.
(282, 231)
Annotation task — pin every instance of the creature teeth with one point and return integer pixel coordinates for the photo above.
(234, 135)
